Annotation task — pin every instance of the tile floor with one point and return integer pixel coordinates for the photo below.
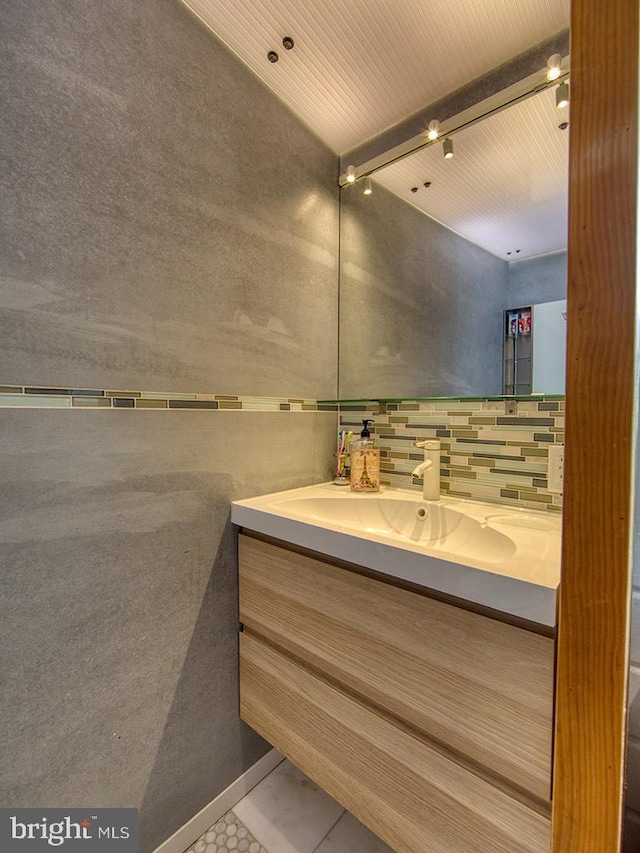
(288, 813)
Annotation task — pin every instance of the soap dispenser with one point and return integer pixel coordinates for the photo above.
(365, 462)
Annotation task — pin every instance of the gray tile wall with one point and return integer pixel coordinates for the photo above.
(420, 307)
(542, 279)
(166, 224)
(119, 601)
(165, 221)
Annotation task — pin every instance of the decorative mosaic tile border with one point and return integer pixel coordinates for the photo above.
(486, 454)
(17, 396)
(227, 835)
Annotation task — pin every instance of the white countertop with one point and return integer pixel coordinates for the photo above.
(498, 556)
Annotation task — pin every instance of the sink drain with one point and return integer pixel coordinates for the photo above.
(422, 513)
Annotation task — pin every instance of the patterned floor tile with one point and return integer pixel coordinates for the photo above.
(228, 835)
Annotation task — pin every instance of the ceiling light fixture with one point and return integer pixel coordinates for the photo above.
(366, 186)
(447, 147)
(562, 96)
(433, 130)
(351, 174)
(554, 66)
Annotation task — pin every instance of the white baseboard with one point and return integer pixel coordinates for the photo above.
(193, 829)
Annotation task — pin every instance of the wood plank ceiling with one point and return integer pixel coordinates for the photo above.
(360, 66)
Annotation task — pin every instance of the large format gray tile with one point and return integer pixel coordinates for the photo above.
(166, 222)
(350, 836)
(287, 812)
(537, 280)
(119, 601)
(420, 307)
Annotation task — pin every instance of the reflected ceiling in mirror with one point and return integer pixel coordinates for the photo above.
(505, 188)
(422, 297)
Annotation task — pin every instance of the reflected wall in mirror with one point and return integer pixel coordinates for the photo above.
(441, 248)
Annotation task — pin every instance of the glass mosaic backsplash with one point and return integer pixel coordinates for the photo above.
(491, 449)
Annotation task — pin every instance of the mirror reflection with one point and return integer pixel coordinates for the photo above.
(444, 250)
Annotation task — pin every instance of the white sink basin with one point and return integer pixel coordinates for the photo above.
(439, 527)
(500, 557)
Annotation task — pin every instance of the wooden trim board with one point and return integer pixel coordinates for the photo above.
(592, 667)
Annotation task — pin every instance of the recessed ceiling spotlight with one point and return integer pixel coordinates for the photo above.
(351, 174)
(272, 56)
(447, 148)
(288, 43)
(554, 66)
(414, 189)
(426, 185)
(563, 125)
(433, 130)
(562, 96)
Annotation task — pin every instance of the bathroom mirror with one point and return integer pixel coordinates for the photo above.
(442, 247)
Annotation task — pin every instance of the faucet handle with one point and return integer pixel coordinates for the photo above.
(428, 444)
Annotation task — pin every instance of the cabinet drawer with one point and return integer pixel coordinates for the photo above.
(412, 796)
(480, 687)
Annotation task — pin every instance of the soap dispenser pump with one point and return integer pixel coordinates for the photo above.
(365, 462)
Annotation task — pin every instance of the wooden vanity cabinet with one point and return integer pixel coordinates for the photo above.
(430, 723)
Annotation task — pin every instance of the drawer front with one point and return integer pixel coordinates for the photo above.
(414, 797)
(478, 686)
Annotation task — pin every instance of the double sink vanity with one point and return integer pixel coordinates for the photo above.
(401, 653)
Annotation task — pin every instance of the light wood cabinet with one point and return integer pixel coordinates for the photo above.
(430, 723)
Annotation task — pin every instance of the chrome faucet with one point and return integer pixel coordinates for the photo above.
(429, 470)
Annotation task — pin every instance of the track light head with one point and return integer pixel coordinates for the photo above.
(447, 148)
(562, 96)
(433, 131)
(554, 66)
(366, 186)
(351, 174)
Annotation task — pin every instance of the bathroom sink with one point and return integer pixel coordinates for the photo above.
(505, 558)
(420, 522)
(532, 521)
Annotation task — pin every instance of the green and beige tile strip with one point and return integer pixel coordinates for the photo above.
(493, 450)
(18, 396)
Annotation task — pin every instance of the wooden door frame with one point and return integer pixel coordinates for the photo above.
(594, 604)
